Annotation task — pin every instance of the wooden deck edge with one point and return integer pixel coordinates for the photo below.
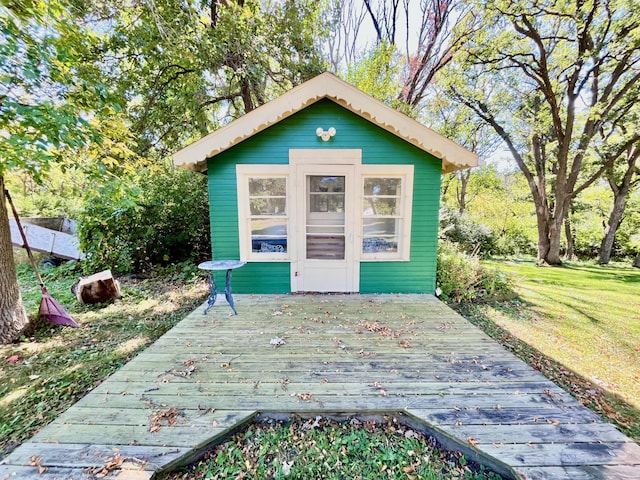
(198, 452)
(451, 442)
(408, 419)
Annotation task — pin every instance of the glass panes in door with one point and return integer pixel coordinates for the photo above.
(325, 228)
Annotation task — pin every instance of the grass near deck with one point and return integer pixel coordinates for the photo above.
(320, 448)
(580, 325)
(45, 373)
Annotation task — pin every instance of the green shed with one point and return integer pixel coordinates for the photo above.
(326, 189)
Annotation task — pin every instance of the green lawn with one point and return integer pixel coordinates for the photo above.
(583, 319)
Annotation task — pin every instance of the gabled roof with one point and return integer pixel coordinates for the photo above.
(453, 156)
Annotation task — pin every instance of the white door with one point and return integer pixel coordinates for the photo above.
(325, 230)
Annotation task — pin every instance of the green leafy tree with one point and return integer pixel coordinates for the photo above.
(47, 114)
(154, 215)
(621, 153)
(187, 68)
(547, 76)
(462, 188)
(377, 72)
(459, 124)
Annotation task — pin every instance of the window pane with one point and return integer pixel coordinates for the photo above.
(326, 184)
(382, 186)
(268, 206)
(326, 202)
(269, 235)
(380, 226)
(379, 244)
(270, 187)
(380, 206)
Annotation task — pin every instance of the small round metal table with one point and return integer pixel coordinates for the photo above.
(212, 266)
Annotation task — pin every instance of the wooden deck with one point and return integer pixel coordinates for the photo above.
(407, 356)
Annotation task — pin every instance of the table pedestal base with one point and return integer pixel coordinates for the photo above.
(213, 292)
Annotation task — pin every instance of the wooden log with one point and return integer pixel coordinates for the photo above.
(97, 288)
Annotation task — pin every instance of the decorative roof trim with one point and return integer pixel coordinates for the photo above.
(453, 156)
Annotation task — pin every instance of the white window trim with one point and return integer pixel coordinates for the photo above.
(405, 173)
(336, 157)
(243, 173)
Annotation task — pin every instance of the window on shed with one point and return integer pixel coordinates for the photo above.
(386, 213)
(263, 222)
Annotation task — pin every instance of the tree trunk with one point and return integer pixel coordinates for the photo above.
(549, 234)
(13, 318)
(568, 233)
(555, 242)
(461, 193)
(615, 219)
(636, 262)
(620, 195)
(543, 230)
(245, 90)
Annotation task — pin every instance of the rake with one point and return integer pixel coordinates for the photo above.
(50, 310)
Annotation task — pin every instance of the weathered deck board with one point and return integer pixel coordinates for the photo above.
(582, 473)
(344, 355)
(74, 455)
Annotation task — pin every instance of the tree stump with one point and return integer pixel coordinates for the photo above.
(98, 288)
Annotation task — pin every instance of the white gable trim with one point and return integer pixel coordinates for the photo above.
(454, 157)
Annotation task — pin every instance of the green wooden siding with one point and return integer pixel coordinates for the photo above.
(378, 147)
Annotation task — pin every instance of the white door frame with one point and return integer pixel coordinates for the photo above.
(325, 275)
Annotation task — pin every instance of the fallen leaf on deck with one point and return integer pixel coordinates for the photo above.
(170, 416)
(112, 463)
(36, 461)
(381, 330)
(305, 397)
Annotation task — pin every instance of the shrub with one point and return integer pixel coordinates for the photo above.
(156, 216)
(462, 279)
(472, 237)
